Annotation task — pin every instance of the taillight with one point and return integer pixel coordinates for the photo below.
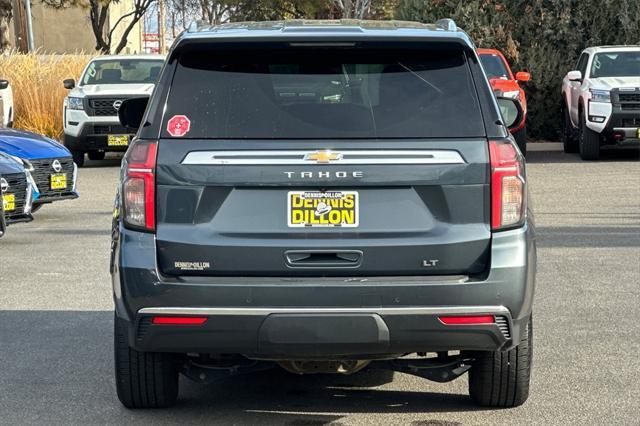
(508, 197)
(138, 189)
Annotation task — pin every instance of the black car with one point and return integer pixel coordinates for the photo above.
(326, 197)
(17, 192)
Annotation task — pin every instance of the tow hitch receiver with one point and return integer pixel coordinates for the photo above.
(211, 373)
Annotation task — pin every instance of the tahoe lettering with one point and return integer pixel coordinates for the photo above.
(325, 175)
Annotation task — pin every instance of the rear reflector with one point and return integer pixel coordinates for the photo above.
(465, 320)
(179, 320)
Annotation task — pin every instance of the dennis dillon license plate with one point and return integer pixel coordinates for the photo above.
(316, 208)
(9, 202)
(59, 181)
(117, 140)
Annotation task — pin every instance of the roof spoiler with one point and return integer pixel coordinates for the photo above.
(447, 24)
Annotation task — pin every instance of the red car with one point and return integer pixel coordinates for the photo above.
(501, 79)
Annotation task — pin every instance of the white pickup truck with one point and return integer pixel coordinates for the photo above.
(6, 104)
(90, 110)
(601, 100)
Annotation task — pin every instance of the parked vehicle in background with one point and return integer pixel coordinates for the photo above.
(6, 104)
(601, 100)
(3, 222)
(323, 196)
(16, 189)
(505, 84)
(90, 110)
(47, 160)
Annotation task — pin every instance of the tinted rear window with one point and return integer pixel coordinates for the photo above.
(325, 94)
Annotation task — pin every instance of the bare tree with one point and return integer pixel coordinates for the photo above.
(103, 30)
(182, 13)
(356, 9)
(215, 12)
(185, 11)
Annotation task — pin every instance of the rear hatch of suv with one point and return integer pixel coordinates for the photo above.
(334, 159)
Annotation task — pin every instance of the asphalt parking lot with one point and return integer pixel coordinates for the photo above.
(56, 321)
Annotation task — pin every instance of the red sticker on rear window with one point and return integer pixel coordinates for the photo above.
(178, 126)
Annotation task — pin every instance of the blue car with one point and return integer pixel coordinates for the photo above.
(48, 161)
(17, 188)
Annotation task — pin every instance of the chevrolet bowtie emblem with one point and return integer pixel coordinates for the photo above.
(323, 156)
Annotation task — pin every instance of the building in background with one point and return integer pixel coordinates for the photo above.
(68, 30)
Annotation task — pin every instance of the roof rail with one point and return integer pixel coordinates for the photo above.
(194, 26)
(447, 24)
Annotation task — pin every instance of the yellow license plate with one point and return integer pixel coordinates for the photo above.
(117, 140)
(318, 209)
(9, 202)
(59, 181)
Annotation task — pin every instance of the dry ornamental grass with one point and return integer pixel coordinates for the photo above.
(36, 80)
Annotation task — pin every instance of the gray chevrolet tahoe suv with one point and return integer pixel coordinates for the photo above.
(326, 197)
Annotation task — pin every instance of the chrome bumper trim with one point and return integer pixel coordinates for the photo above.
(409, 310)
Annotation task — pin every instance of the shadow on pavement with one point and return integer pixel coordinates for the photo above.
(75, 231)
(58, 366)
(588, 236)
(612, 153)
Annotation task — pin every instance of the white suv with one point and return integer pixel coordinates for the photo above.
(90, 111)
(601, 100)
(6, 104)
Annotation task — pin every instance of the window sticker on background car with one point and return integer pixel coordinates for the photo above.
(92, 70)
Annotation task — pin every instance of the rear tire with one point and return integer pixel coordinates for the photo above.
(501, 378)
(569, 141)
(521, 139)
(78, 158)
(589, 141)
(96, 155)
(143, 379)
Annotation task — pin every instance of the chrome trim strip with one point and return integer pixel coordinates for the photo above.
(437, 310)
(346, 157)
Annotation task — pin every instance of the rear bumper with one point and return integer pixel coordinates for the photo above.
(297, 317)
(286, 333)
